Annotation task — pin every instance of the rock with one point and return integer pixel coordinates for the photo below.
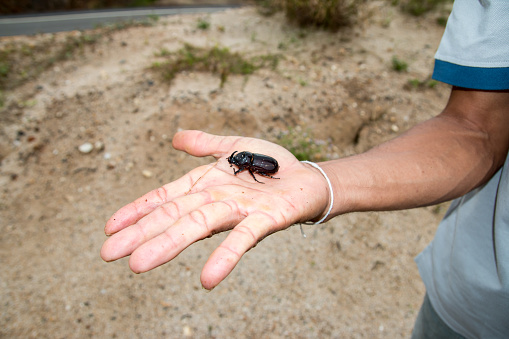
(147, 174)
(86, 148)
(99, 146)
(187, 331)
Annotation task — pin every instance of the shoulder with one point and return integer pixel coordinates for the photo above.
(474, 51)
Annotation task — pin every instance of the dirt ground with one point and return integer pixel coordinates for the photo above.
(353, 277)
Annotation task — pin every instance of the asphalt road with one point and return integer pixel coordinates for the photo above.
(60, 22)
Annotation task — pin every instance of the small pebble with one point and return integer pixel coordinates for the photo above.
(187, 331)
(147, 173)
(86, 148)
(99, 145)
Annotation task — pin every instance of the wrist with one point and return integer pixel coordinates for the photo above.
(339, 175)
(326, 215)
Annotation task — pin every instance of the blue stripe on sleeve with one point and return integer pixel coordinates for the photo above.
(471, 77)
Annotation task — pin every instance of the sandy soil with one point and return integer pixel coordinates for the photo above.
(353, 277)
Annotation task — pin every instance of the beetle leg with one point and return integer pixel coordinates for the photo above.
(252, 174)
(267, 175)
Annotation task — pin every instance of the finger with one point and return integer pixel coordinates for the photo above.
(199, 224)
(126, 241)
(242, 238)
(134, 211)
(202, 144)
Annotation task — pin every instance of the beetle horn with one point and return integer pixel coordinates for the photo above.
(230, 158)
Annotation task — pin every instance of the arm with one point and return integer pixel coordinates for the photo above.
(438, 160)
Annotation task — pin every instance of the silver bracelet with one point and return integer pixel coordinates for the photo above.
(331, 196)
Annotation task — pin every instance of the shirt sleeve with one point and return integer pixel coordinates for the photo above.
(474, 51)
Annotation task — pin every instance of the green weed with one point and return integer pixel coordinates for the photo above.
(302, 144)
(203, 24)
(4, 67)
(442, 21)
(421, 84)
(269, 7)
(420, 7)
(328, 14)
(399, 65)
(217, 60)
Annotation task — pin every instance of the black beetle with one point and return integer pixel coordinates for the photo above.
(254, 163)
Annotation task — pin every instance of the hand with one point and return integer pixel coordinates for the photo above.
(155, 228)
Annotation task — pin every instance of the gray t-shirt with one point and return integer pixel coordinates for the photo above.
(466, 266)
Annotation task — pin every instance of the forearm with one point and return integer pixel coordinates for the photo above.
(438, 160)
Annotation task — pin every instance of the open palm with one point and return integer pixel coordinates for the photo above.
(156, 227)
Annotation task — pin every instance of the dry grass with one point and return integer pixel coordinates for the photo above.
(217, 60)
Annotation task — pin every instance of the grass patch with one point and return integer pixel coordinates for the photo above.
(420, 7)
(328, 14)
(302, 144)
(270, 7)
(399, 65)
(203, 24)
(217, 60)
(416, 84)
(442, 21)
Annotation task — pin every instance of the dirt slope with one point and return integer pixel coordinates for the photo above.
(353, 277)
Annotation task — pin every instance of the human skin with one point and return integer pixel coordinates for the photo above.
(435, 161)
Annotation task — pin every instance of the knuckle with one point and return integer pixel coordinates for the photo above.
(171, 209)
(170, 239)
(199, 217)
(247, 231)
(229, 249)
(161, 194)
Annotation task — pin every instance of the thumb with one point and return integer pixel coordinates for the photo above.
(201, 144)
